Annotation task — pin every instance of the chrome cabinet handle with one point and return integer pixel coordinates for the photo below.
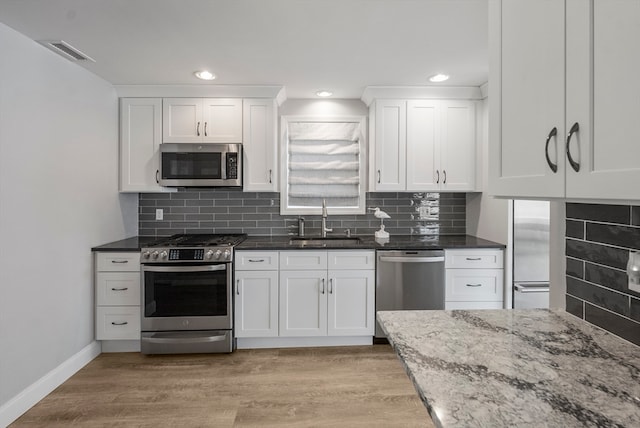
(205, 129)
(575, 165)
(120, 261)
(378, 176)
(256, 260)
(270, 176)
(438, 177)
(474, 285)
(330, 285)
(474, 258)
(238, 287)
(157, 172)
(444, 172)
(119, 323)
(553, 133)
(120, 289)
(322, 290)
(198, 129)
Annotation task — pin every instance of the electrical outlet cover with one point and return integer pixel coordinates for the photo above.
(159, 214)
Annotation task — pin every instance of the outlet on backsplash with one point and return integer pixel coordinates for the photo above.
(159, 214)
(633, 271)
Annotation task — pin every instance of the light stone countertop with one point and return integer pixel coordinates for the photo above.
(516, 368)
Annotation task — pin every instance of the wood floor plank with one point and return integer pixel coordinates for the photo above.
(302, 387)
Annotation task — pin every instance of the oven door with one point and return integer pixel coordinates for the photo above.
(186, 297)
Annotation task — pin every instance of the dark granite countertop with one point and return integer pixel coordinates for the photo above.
(516, 368)
(134, 243)
(396, 242)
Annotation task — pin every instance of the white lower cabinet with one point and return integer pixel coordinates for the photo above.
(474, 279)
(301, 298)
(117, 282)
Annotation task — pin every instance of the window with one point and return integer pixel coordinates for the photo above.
(323, 158)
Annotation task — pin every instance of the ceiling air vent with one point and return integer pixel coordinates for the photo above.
(65, 49)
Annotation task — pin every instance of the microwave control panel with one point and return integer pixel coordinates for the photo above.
(232, 165)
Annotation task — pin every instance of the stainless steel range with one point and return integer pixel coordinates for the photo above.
(187, 304)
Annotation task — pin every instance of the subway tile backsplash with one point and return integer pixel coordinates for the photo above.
(598, 240)
(258, 214)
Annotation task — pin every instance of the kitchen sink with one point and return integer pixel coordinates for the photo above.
(329, 241)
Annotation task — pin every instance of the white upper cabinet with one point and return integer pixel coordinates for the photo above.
(564, 98)
(390, 135)
(196, 120)
(140, 138)
(260, 145)
(603, 98)
(424, 145)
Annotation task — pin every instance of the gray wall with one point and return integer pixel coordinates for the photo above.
(598, 240)
(234, 211)
(58, 198)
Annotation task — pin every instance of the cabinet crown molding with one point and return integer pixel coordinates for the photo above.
(372, 93)
(201, 91)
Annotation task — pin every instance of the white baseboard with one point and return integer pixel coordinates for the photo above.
(301, 342)
(14, 408)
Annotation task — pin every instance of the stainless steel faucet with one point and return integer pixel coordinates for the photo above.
(325, 229)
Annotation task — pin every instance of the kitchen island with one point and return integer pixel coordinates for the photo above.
(508, 368)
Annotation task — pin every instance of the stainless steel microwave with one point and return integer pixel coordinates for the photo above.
(200, 165)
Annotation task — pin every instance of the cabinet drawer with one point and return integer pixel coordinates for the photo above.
(118, 262)
(256, 260)
(118, 288)
(352, 260)
(118, 323)
(472, 259)
(449, 306)
(477, 285)
(302, 260)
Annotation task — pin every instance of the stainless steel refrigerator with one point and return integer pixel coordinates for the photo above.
(530, 254)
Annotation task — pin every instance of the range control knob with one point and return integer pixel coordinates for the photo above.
(146, 255)
(217, 254)
(227, 254)
(208, 255)
(154, 255)
(163, 255)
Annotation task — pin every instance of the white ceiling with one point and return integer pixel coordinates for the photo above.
(303, 45)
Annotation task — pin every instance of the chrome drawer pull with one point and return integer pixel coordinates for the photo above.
(120, 323)
(474, 258)
(120, 289)
(256, 261)
(474, 285)
(119, 261)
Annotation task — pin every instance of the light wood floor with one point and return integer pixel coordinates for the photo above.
(362, 386)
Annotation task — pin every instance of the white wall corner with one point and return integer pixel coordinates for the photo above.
(18, 405)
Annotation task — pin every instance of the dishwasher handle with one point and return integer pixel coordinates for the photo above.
(409, 259)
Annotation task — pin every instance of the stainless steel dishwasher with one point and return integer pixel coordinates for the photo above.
(407, 280)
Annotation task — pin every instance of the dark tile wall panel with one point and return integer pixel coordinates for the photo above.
(598, 241)
(258, 214)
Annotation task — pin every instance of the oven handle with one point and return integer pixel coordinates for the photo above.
(205, 339)
(206, 268)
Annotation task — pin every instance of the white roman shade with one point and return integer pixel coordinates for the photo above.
(324, 160)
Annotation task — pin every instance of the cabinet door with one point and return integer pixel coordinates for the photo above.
(259, 146)
(303, 303)
(140, 138)
(351, 303)
(390, 145)
(526, 101)
(457, 146)
(182, 120)
(256, 304)
(222, 120)
(602, 36)
(423, 135)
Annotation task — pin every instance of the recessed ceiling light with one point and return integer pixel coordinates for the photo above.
(205, 75)
(324, 93)
(438, 78)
